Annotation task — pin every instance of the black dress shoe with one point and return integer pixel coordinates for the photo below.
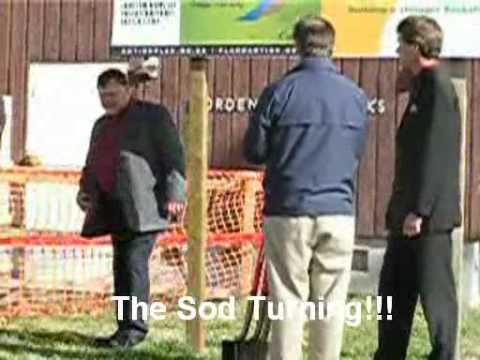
(104, 341)
(126, 339)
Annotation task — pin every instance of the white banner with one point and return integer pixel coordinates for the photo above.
(146, 22)
(6, 136)
(63, 105)
(364, 28)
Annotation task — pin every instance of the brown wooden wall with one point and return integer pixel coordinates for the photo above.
(79, 31)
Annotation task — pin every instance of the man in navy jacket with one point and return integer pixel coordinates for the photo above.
(310, 129)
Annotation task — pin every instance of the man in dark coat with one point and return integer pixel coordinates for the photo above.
(425, 204)
(132, 180)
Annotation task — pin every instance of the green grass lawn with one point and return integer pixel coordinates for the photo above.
(67, 337)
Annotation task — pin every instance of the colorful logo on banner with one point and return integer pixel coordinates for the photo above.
(265, 8)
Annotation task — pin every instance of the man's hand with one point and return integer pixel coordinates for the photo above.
(412, 226)
(84, 201)
(176, 209)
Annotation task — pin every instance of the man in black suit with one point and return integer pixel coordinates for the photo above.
(133, 178)
(425, 204)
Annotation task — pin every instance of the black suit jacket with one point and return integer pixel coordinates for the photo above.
(427, 156)
(151, 173)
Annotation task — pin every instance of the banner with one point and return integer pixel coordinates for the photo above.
(69, 115)
(365, 28)
(199, 27)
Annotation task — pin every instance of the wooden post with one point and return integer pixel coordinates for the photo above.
(251, 187)
(197, 167)
(249, 199)
(458, 72)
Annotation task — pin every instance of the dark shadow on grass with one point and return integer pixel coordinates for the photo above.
(46, 337)
(74, 345)
(50, 351)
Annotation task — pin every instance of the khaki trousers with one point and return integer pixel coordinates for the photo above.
(308, 260)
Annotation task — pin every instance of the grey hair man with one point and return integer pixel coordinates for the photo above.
(310, 129)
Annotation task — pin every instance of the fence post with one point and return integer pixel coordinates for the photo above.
(197, 167)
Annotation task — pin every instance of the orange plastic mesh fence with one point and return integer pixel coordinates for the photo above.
(46, 267)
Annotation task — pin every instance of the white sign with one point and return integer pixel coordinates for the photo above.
(146, 22)
(6, 135)
(5, 157)
(63, 105)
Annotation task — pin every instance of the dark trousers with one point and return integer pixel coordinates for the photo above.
(131, 254)
(418, 268)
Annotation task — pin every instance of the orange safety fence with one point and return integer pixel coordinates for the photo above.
(47, 268)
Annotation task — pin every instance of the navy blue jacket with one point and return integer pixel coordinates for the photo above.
(310, 128)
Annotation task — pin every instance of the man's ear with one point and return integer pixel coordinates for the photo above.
(332, 51)
(297, 47)
(131, 90)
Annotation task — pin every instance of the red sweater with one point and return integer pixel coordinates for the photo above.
(107, 151)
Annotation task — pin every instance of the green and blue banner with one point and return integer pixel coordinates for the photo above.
(365, 28)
